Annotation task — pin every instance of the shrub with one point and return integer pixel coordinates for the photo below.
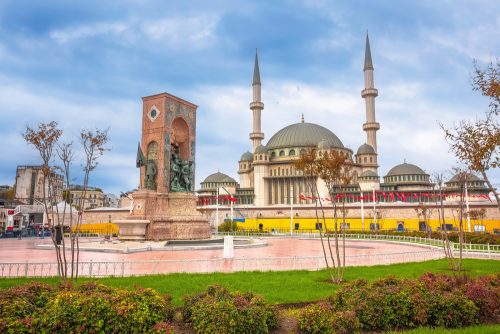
(228, 226)
(17, 305)
(217, 310)
(485, 293)
(396, 304)
(89, 308)
(321, 319)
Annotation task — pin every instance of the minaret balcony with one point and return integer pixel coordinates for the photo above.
(371, 126)
(256, 105)
(257, 135)
(369, 92)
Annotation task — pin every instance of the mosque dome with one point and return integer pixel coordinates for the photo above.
(365, 149)
(260, 149)
(369, 173)
(323, 145)
(466, 176)
(219, 178)
(405, 169)
(247, 156)
(303, 135)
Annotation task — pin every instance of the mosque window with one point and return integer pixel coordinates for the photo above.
(260, 157)
(371, 159)
(291, 153)
(282, 153)
(273, 155)
(364, 159)
(287, 172)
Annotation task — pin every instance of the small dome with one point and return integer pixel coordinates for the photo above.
(368, 173)
(247, 156)
(323, 145)
(303, 135)
(261, 149)
(366, 149)
(469, 177)
(219, 178)
(406, 169)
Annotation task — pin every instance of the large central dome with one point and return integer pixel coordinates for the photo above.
(303, 135)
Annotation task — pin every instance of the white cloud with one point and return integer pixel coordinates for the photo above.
(195, 31)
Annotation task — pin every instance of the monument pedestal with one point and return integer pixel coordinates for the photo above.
(169, 216)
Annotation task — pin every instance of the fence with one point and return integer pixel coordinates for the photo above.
(146, 267)
(467, 247)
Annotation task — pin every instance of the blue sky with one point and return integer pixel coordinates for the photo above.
(88, 63)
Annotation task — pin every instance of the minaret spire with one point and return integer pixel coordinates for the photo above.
(369, 94)
(368, 55)
(256, 106)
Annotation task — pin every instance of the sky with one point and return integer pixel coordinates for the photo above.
(86, 64)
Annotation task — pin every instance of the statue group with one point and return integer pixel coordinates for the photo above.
(181, 174)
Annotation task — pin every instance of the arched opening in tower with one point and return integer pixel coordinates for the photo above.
(180, 138)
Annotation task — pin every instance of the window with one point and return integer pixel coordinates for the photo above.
(273, 155)
(365, 160)
(371, 159)
(282, 153)
(291, 153)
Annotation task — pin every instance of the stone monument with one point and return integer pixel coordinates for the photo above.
(164, 207)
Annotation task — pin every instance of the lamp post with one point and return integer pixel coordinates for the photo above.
(362, 213)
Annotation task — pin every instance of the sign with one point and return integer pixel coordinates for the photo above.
(10, 212)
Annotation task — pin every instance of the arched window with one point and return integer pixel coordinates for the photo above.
(282, 153)
(365, 160)
(260, 157)
(273, 155)
(291, 153)
(371, 159)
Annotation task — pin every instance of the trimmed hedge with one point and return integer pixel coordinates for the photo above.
(217, 310)
(87, 308)
(397, 304)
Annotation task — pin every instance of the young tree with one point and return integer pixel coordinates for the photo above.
(93, 142)
(307, 165)
(335, 169)
(448, 251)
(477, 144)
(66, 155)
(44, 139)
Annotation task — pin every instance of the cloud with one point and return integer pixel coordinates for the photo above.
(190, 32)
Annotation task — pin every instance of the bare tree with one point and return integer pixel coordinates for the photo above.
(448, 251)
(44, 139)
(334, 168)
(66, 155)
(93, 142)
(477, 144)
(307, 165)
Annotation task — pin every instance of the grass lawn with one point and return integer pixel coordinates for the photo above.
(277, 287)
(485, 329)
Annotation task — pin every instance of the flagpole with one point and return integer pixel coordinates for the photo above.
(362, 213)
(217, 208)
(467, 205)
(374, 211)
(291, 209)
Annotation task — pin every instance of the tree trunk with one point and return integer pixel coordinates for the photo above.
(491, 188)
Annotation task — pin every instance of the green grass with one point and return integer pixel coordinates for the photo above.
(485, 329)
(276, 287)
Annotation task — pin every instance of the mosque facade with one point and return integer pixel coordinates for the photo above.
(268, 177)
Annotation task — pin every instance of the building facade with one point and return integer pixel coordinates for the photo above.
(268, 176)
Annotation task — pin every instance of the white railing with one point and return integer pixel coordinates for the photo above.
(147, 267)
(486, 248)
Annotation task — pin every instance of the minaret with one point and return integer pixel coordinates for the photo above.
(369, 94)
(256, 106)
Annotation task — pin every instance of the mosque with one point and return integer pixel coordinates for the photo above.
(268, 178)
